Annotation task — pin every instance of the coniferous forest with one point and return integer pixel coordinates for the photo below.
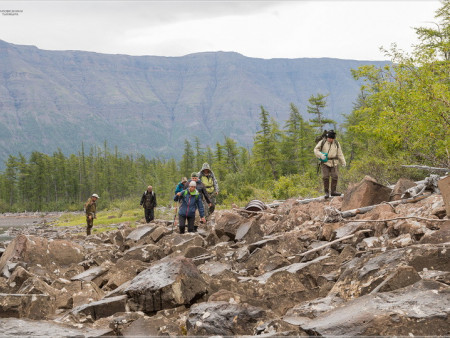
(401, 117)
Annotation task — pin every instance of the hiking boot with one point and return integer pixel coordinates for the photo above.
(327, 195)
(335, 193)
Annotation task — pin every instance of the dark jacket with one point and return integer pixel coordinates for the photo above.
(201, 189)
(190, 203)
(148, 201)
(180, 187)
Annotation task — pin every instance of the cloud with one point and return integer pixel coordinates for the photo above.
(267, 29)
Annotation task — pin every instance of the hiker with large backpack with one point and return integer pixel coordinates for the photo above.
(206, 175)
(148, 202)
(329, 152)
(190, 202)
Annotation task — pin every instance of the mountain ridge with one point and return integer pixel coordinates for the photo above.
(149, 104)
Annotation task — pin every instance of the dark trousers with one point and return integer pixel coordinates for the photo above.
(326, 173)
(182, 223)
(89, 225)
(149, 214)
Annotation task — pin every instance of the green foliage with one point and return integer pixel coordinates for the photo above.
(298, 186)
(405, 106)
(316, 106)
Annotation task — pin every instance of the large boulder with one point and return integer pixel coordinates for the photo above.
(49, 254)
(367, 192)
(169, 283)
(227, 223)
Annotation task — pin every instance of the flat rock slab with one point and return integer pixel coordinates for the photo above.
(420, 309)
(140, 232)
(31, 328)
(91, 274)
(102, 308)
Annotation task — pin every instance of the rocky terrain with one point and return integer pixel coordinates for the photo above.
(366, 263)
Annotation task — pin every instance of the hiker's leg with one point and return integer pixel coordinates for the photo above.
(89, 225)
(326, 179)
(147, 215)
(334, 181)
(182, 223)
(191, 227)
(151, 214)
(205, 206)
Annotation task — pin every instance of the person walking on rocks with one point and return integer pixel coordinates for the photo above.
(90, 208)
(206, 175)
(190, 202)
(181, 185)
(330, 153)
(148, 202)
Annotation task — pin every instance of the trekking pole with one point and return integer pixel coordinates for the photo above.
(174, 218)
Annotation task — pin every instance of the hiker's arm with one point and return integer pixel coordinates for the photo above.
(317, 152)
(201, 210)
(341, 157)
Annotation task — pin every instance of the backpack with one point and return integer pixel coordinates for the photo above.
(323, 137)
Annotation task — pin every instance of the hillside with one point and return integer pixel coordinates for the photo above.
(150, 104)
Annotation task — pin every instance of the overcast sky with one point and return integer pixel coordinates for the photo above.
(264, 29)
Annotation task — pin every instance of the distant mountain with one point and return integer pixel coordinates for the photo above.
(150, 104)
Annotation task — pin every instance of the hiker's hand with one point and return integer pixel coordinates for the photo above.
(90, 217)
(210, 204)
(322, 157)
(178, 193)
(203, 220)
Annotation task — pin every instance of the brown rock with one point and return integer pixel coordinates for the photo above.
(444, 187)
(442, 235)
(366, 193)
(35, 250)
(169, 283)
(400, 187)
(26, 306)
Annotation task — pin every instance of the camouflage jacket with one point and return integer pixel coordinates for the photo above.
(90, 207)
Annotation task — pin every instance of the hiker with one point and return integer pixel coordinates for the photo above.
(330, 153)
(90, 208)
(190, 202)
(200, 188)
(148, 202)
(181, 185)
(203, 195)
(207, 177)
